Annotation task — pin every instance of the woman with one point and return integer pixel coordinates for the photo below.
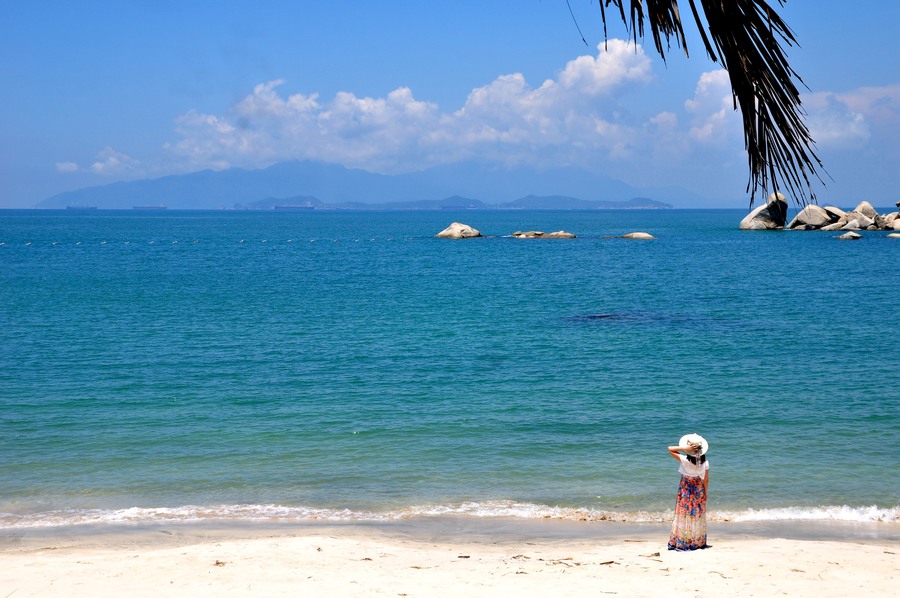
(689, 527)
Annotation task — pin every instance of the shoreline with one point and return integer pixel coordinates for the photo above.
(442, 558)
(473, 530)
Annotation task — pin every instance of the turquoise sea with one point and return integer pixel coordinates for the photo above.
(348, 366)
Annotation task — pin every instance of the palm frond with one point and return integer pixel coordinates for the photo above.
(746, 37)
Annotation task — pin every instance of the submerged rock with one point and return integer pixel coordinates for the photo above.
(850, 236)
(536, 234)
(457, 230)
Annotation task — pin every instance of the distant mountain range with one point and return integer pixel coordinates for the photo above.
(532, 202)
(318, 185)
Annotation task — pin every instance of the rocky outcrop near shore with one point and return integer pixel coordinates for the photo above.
(771, 216)
(457, 230)
(828, 218)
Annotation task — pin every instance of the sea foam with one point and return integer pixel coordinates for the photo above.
(274, 513)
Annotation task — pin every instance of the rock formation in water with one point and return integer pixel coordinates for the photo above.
(773, 215)
(828, 218)
(536, 234)
(458, 230)
(638, 235)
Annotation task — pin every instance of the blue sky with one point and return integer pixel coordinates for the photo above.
(97, 92)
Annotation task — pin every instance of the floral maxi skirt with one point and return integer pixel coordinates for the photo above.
(689, 527)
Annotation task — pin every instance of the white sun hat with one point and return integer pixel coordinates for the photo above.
(687, 439)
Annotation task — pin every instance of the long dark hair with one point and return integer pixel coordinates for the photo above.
(693, 459)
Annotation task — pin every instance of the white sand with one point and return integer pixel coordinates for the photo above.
(357, 562)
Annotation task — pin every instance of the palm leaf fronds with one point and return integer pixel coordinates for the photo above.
(745, 37)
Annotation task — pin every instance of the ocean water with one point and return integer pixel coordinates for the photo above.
(288, 366)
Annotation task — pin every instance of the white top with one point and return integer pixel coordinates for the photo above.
(690, 470)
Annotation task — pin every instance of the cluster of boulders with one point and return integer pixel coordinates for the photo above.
(828, 218)
(862, 217)
(457, 230)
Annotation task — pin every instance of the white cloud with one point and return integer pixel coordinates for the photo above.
(578, 116)
(265, 102)
(113, 163)
(879, 105)
(833, 125)
(601, 112)
(850, 120)
(618, 63)
(714, 119)
(66, 167)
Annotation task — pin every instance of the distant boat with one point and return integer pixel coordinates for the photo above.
(81, 207)
(149, 208)
(295, 208)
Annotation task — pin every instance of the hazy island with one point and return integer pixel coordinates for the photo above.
(310, 185)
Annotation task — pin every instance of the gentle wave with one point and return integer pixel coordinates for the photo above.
(497, 509)
(825, 513)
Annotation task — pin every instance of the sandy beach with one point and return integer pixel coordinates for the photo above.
(354, 561)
